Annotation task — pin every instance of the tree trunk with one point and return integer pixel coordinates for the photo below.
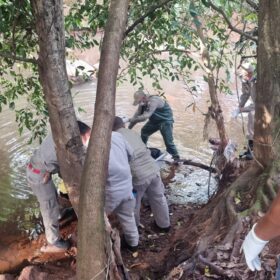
(267, 117)
(53, 77)
(215, 109)
(91, 254)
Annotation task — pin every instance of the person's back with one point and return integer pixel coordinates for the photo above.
(44, 157)
(146, 177)
(119, 198)
(142, 164)
(119, 180)
(162, 112)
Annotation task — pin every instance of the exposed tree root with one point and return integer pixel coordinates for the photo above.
(215, 235)
(115, 268)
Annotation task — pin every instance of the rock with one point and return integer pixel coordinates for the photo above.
(33, 273)
(6, 277)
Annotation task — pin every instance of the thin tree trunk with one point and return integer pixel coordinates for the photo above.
(216, 111)
(53, 76)
(91, 240)
(267, 115)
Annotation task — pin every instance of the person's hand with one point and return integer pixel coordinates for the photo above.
(46, 177)
(131, 123)
(235, 113)
(252, 246)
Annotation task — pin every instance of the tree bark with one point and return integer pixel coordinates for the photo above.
(91, 240)
(215, 109)
(49, 22)
(267, 114)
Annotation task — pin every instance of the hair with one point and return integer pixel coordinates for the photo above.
(118, 123)
(84, 128)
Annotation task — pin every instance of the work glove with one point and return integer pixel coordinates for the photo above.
(235, 113)
(125, 119)
(252, 246)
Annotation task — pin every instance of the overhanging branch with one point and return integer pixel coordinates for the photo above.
(18, 58)
(253, 5)
(220, 11)
(148, 13)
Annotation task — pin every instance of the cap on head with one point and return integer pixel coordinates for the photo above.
(248, 67)
(138, 95)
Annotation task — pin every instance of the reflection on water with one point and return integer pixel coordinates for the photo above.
(18, 205)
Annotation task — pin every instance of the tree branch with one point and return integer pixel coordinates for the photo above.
(253, 5)
(18, 58)
(220, 11)
(142, 18)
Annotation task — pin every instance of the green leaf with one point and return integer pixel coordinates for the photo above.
(205, 3)
(12, 105)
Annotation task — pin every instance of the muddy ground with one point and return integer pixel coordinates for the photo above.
(158, 254)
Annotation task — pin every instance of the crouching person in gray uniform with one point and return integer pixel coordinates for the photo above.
(146, 178)
(119, 198)
(42, 165)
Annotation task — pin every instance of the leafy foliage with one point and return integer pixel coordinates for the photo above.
(163, 45)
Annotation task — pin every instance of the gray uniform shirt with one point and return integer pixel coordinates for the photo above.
(44, 158)
(142, 164)
(248, 90)
(119, 179)
(154, 103)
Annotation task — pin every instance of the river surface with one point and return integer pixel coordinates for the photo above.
(18, 206)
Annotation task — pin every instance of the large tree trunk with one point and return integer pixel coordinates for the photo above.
(267, 117)
(91, 239)
(53, 76)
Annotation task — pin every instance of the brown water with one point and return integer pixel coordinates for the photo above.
(17, 204)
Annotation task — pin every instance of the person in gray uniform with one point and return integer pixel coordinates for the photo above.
(119, 198)
(42, 165)
(248, 92)
(160, 117)
(145, 177)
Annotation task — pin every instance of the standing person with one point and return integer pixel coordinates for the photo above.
(145, 177)
(248, 91)
(42, 165)
(160, 117)
(267, 228)
(119, 198)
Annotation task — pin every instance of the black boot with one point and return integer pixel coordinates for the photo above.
(248, 155)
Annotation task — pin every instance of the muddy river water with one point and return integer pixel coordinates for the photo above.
(17, 204)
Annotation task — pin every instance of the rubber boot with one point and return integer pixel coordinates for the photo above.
(248, 155)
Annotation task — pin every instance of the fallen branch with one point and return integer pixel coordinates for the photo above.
(197, 164)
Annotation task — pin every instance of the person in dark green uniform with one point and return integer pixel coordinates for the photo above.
(160, 117)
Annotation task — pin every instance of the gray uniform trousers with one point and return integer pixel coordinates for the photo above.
(154, 189)
(250, 125)
(125, 213)
(49, 207)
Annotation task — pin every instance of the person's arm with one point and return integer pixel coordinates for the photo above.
(153, 105)
(138, 112)
(266, 229)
